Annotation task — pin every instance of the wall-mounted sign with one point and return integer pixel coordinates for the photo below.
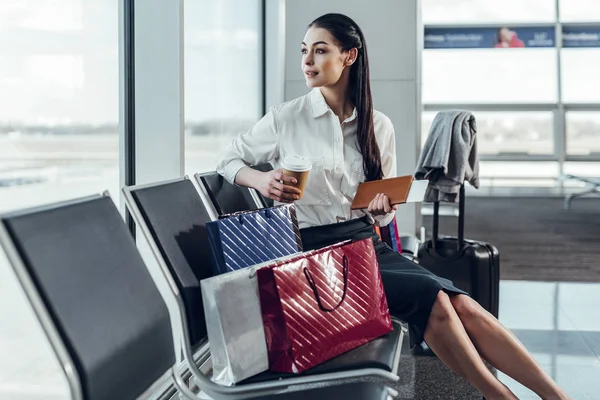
(581, 37)
(481, 38)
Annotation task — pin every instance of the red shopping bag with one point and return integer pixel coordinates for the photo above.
(320, 304)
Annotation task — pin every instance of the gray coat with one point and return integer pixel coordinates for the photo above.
(449, 156)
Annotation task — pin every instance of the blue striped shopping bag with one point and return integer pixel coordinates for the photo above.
(247, 238)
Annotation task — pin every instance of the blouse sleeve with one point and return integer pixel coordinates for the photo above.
(258, 145)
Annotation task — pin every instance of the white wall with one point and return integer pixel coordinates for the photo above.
(393, 33)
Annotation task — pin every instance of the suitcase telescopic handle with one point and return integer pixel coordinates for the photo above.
(461, 220)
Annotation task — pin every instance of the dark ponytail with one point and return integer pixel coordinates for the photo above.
(348, 36)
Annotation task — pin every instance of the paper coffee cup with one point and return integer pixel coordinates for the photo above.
(298, 167)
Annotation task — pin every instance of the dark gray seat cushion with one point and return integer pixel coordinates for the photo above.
(100, 296)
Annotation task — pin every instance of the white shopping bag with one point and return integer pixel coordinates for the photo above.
(235, 328)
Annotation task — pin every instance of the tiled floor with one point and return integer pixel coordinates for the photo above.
(558, 322)
(560, 325)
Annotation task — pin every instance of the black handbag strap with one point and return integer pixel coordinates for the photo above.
(461, 220)
(313, 286)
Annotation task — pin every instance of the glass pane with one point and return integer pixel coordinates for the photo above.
(518, 133)
(581, 169)
(518, 174)
(43, 15)
(487, 11)
(520, 169)
(579, 10)
(489, 76)
(583, 133)
(223, 89)
(59, 101)
(580, 78)
(59, 120)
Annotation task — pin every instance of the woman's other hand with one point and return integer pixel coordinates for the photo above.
(277, 186)
(380, 205)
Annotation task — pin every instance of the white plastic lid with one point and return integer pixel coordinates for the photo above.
(296, 163)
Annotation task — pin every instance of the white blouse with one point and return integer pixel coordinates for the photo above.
(307, 127)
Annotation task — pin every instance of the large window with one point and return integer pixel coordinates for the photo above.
(59, 114)
(580, 77)
(583, 134)
(223, 83)
(59, 97)
(528, 74)
(489, 76)
(589, 169)
(507, 132)
(518, 173)
(487, 11)
(579, 10)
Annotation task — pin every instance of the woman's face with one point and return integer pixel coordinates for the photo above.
(322, 61)
(506, 35)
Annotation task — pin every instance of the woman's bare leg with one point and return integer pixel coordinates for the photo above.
(447, 337)
(498, 346)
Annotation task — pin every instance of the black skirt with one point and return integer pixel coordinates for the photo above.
(410, 289)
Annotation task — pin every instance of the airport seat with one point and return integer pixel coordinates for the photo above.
(102, 311)
(593, 187)
(81, 270)
(227, 198)
(166, 211)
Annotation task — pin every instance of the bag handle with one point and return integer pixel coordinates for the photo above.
(313, 286)
(461, 220)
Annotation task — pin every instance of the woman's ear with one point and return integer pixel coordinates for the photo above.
(351, 58)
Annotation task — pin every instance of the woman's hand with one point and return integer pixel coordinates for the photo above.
(380, 205)
(276, 185)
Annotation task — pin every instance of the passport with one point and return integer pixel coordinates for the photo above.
(400, 190)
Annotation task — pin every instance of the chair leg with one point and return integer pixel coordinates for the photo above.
(568, 198)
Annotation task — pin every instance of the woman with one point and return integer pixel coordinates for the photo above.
(348, 142)
(507, 38)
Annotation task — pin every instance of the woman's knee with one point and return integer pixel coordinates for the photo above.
(442, 310)
(466, 308)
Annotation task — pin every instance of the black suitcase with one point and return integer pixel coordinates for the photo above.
(471, 265)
